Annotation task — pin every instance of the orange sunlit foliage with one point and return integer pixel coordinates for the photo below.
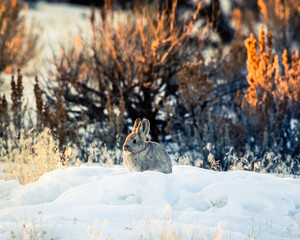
(70, 63)
(10, 39)
(273, 97)
(264, 77)
(137, 48)
(17, 43)
(282, 18)
(282, 10)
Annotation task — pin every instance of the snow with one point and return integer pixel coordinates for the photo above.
(60, 22)
(89, 202)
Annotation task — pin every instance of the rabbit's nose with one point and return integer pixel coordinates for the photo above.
(125, 148)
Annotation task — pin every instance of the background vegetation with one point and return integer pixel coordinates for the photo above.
(219, 91)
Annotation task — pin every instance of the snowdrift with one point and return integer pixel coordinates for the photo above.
(90, 202)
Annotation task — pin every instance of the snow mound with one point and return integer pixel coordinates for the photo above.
(89, 202)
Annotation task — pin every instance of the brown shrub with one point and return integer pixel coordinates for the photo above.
(124, 70)
(18, 44)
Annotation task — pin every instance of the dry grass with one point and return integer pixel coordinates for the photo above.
(30, 156)
(36, 229)
(33, 229)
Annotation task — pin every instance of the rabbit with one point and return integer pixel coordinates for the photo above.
(141, 155)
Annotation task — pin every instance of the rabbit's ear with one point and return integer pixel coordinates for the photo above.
(144, 127)
(136, 124)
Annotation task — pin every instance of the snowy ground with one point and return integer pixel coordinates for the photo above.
(60, 23)
(90, 202)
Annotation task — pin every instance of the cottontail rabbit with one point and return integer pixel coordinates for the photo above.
(141, 155)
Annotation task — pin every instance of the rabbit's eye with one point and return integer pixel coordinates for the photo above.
(134, 141)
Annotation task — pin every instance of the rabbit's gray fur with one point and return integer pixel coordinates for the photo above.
(141, 155)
